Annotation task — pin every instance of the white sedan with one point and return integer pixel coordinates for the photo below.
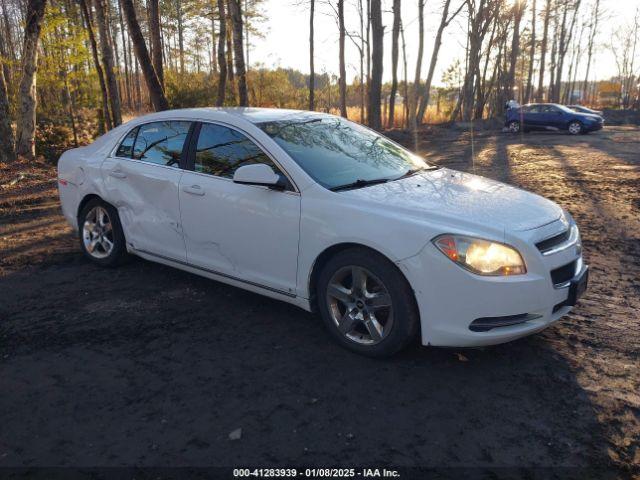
(328, 215)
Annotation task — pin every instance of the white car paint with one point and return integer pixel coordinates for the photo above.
(268, 241)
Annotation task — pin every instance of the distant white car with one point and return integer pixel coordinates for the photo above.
(328, 215)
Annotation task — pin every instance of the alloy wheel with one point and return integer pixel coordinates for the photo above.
(514, 127)
(575, 128)
(360, 305)
(97, 233)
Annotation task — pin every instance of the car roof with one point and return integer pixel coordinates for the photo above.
(250, 114)
(537, 104)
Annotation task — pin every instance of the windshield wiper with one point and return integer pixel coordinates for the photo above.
(413, 171)
(359, 184)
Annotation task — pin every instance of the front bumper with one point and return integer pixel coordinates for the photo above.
(450, 298)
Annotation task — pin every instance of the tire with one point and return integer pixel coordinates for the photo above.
(575, 128)
(514, 126)
(101, 237)
(369, 326)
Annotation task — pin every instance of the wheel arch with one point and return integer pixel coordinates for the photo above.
(86, 199)
(328, 253)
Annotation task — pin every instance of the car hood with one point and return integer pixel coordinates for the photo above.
(590, 116)
(449, 194)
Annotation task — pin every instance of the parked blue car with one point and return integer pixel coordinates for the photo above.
(551, 116)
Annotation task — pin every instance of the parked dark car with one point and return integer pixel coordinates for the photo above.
(551, 116)
(583, 109)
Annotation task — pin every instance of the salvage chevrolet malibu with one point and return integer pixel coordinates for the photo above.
(328, 215)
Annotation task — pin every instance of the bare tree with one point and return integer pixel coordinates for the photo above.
(25, 145)
(593, 29)
(180, 28)
(532, 54)
(342, 80)
(413, 94)
(482, 14)
(312, 72)
(156, 41)
(624, 45)
(543, 51)
(156, 93)
(445, 20)
(102, 16)
(7, 153)
(238, 51)
(222, 58)
(375, 87)
(96, 60)
(566, 33)
(518, 12)
(395, 34)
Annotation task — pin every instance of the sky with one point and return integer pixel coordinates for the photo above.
(286, 33)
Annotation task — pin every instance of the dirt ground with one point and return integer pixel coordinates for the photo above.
(146, 365)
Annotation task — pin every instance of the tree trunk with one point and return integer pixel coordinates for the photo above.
(156, 93)
(102, 12)
(532, 53)
(238, 52)
(342, 79)
(127, 70)
(312, 73)
(361, 52)
(214, 49)
(395, 34)
(592, 33)
(230, 75)
(7, 153)
(180, 27)
(4, 52)
(222, 58)
(375, 89)
(405, 86)
(25, 145)
(413, 100)
(543, 51)
(156, 43)
(96, 60)
(518, 10)
(426, 91)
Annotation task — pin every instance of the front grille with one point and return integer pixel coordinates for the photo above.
(563, 274)
(549, 243)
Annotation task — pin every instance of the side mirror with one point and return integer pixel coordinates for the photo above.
(260, 174)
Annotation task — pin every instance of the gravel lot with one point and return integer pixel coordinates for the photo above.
(150, 366)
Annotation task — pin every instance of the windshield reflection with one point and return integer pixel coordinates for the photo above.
(338, 153)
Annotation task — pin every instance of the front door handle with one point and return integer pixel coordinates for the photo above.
(193, 190)
(118, 174)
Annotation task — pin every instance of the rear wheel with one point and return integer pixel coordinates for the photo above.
(575, 128)
(514, 126)
(366, 303)
(101, 236)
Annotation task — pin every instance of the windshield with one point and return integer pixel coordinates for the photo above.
(564, 109)
(338, 153)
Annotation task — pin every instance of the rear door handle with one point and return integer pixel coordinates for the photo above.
(118, 174)
(193, 190)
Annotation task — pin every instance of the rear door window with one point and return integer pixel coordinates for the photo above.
(161, 142)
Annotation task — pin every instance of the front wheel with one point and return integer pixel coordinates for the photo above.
(366, 303)
(101, 236)
(575, 128)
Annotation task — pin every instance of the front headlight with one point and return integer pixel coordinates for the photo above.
(481, 257)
